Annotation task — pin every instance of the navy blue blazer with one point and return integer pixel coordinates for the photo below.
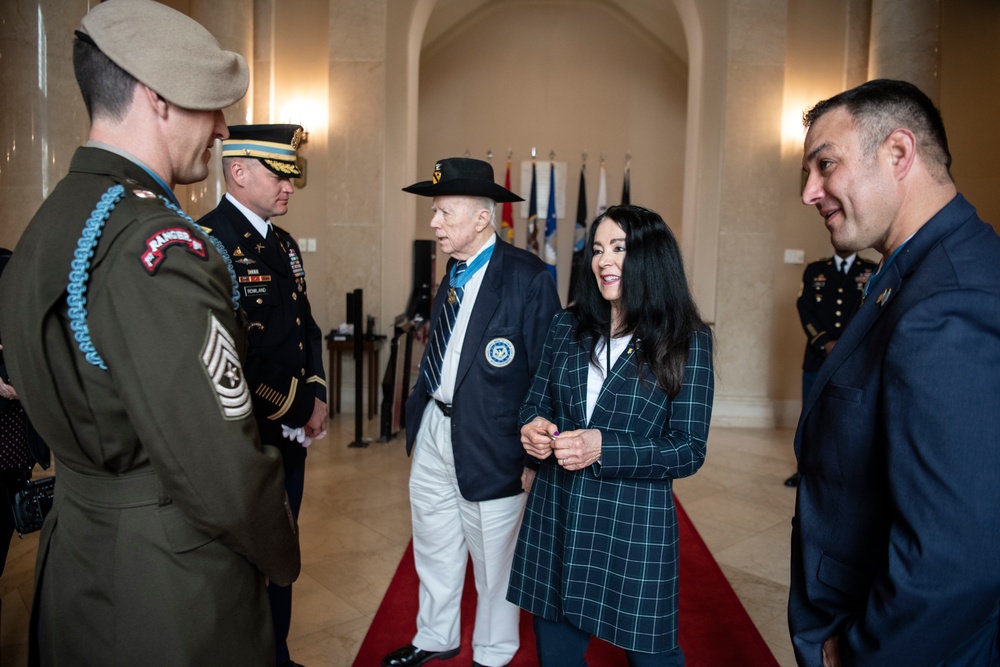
(599, 545)
(516, 301)
(896, 534)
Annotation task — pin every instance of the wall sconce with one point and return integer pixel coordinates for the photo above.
(310, 115)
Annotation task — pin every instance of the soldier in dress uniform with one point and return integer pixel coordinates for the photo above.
(284, 366)
(121, 334)
(828, 298)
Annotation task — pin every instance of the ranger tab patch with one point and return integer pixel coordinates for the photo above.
(157, 244)
(224, 370)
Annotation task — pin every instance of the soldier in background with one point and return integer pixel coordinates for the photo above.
(828, 298)
(284, 364)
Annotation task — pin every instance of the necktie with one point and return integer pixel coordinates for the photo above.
(844, 267)
(442, 332)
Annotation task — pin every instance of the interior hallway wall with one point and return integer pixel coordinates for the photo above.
(562, 77)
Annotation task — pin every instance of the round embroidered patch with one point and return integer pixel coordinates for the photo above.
(499, 352)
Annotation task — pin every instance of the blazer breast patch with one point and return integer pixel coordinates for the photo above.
(499, 352)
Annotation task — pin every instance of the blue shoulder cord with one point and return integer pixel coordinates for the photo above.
(216, 242)
(80, 273)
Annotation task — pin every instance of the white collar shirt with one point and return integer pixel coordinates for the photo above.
(841, 261)
(453, 353)
(259, 223)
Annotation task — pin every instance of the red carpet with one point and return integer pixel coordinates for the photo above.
(715, 630)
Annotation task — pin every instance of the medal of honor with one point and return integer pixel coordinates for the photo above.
(452, 297)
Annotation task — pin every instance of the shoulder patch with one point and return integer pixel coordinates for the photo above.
(156, 245)
(224, 371)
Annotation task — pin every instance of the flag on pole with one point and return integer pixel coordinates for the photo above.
(580, 238)
(533, 211)
(626, 186)
(602, 191)
(550, 256)
(507, 217)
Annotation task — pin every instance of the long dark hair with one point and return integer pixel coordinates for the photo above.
(656, 304)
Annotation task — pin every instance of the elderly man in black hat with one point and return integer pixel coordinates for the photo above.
(469, 473)
(284, 364)
(169, 514)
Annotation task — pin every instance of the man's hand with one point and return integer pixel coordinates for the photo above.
(527, 479)
(316, 426)
(536, 437)
(831, 652)
(575, 450)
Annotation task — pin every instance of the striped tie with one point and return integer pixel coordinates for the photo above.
(442, 333)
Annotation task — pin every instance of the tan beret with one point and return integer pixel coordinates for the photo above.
(171, 53)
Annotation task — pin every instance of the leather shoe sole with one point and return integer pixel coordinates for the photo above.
(411, 656)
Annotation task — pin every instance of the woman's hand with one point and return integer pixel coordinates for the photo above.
(575, 450)
(536, 437)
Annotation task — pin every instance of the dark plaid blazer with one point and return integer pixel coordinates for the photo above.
(599, 545)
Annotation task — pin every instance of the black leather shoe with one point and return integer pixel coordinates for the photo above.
(792, 481)
(411, 656)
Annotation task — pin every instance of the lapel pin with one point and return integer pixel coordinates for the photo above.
(884, 296)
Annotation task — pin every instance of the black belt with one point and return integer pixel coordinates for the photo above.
(445, 408)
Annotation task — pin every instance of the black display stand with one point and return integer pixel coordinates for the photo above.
(355, 308)
(396, 381)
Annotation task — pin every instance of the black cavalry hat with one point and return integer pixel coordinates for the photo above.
(465, 177)
(274, 145)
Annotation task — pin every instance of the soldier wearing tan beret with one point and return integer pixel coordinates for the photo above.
(120, 325)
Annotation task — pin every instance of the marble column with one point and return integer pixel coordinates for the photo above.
(905, 43)
(42, 116)
(232, 24)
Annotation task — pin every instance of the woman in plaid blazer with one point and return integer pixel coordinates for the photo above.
(597, 550)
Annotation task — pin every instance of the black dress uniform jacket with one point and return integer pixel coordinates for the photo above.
(284, 363)
(827, 301)
(168, 512)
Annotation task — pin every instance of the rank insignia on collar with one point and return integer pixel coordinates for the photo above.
(247, 235)
(884, 296)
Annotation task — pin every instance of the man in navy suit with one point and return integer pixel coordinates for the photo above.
(896, 535)
(468, 475)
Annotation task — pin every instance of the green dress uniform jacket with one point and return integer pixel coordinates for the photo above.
(284, 364)
(168, 512)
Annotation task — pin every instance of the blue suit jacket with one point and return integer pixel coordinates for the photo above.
(516, 301)
(896, 535)
(599, 545)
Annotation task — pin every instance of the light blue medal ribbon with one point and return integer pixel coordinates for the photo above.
(878, 273)
(470, 270)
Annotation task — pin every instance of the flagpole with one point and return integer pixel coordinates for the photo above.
(532, 244)
(507, 217)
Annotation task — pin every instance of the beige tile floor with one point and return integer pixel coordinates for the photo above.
(355, 525)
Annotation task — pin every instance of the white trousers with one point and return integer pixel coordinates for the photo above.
(447, 528)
